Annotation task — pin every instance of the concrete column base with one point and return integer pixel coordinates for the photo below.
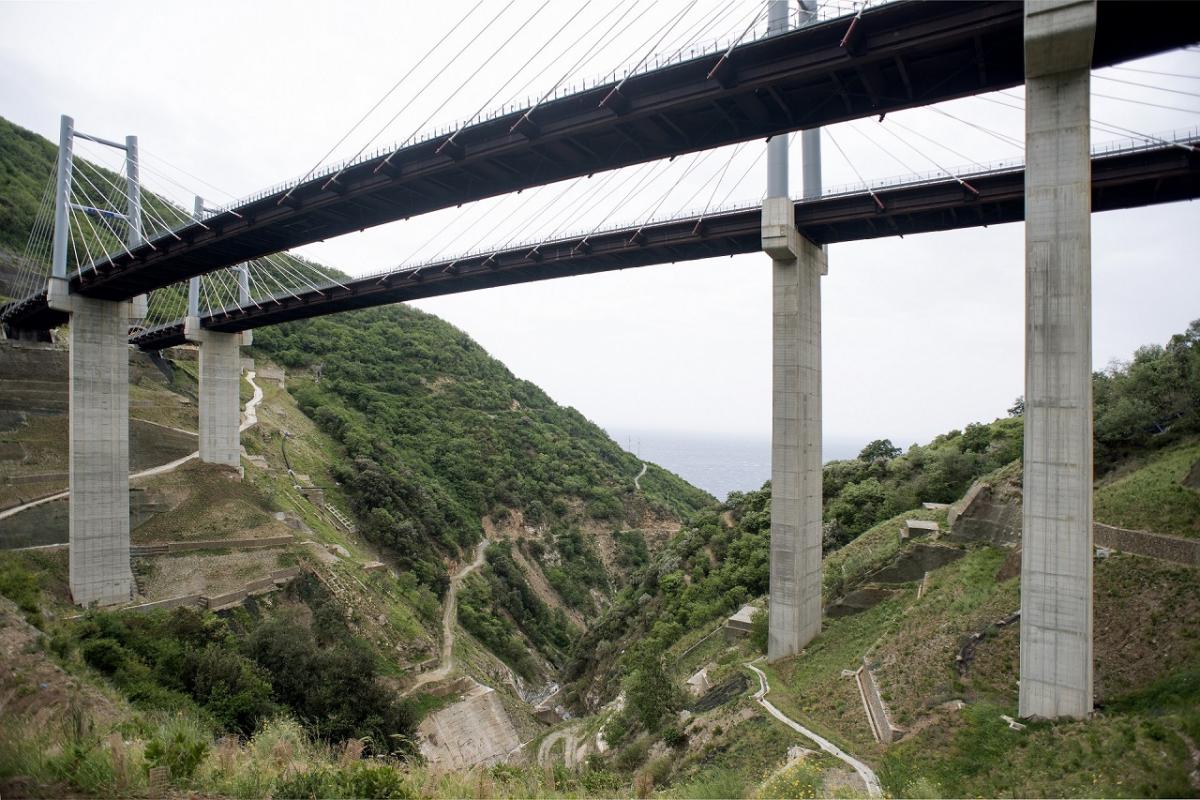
(99, 447)
(220, 406)
(796, 530)
(1056, 562)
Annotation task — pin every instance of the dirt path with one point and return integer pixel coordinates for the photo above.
(637, 482)
(448, 619)
(864, 772)
(570, 748)
(248, 420)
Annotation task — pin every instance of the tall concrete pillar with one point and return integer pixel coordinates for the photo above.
(1056, 562)
(220, 406)
(796, 270)
(98, 443)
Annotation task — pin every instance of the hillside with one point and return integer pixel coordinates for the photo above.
(928, 621)
(389, 449)
(426, 561)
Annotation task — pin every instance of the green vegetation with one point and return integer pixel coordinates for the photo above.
(438, 434)
(1150, 402)
(501, 603)
(1151, 495)
(881, 483)
(26, 163)
(236, 672)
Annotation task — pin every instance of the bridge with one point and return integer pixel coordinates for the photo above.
(896, 56)
(882, 59)
(1138, 175)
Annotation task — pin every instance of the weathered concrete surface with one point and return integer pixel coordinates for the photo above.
(989, 513)
(1144, 543)
(475, 730)
(877, 714)
(797, 266)
(1056, 569)
(98, 441)
(220, 376)
(918, 527)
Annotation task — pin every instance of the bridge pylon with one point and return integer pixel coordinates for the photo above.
(98, 439)
(796, 269)
(1056, 559)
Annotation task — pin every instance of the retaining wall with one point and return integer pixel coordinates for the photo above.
(1144, 543)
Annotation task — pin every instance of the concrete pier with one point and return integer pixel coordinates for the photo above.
(1056, 566)
(99, 447)
(220, 407)
(797, 267)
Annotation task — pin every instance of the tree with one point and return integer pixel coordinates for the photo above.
(652, 697)
(1018, 407)
(879, 450)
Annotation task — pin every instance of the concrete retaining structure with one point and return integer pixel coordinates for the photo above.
(269, 583)
(474, 731)
(164, 548)
(877, 715)
(1144, 543)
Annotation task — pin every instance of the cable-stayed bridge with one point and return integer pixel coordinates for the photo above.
(870, 62)
(1128, 177)
(891, 57)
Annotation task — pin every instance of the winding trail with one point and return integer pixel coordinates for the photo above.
(249, 418)
(637, 481)
(864, 772)
(570, 747)
(448, 618)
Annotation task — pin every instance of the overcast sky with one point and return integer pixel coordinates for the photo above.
(920, 335)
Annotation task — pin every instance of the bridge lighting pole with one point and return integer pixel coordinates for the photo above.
(796, 269)
(98, 414)
(1056, 555)
(133, 217)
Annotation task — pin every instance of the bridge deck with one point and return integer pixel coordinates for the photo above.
(900, 55)
(1121, 180)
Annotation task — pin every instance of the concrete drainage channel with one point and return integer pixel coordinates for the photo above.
(864, 772)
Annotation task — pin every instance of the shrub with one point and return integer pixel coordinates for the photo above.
(179, 745)
(105, 655)
(674, 738)
(760, 629)
(365, 779)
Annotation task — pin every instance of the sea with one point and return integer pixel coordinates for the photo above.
(719, 463)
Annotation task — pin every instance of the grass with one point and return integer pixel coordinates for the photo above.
(1152, 497)
(1134, 752)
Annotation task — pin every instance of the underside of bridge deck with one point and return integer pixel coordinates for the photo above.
(1125, 180)
(899, 55)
